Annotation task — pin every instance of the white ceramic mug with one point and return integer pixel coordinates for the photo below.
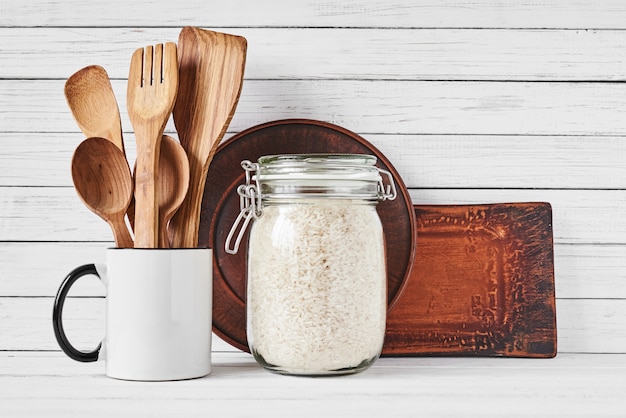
(158, 313)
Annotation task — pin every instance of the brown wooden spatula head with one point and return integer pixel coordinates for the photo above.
(90, 96)
(211, 67)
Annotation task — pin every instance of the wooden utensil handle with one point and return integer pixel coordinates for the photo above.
(122, 236)
(185, 223)
(146, 191)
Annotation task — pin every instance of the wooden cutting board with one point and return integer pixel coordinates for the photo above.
(482, 284)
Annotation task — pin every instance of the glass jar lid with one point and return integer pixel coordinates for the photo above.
(283, 178)
(318, 166)
(348, 176)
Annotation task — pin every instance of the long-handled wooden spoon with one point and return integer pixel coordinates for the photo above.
(103, 181)
(152, 87)
(211, 67)
(90, 97)
(173, 184)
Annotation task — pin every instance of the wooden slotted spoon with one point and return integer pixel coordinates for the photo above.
(152, 88)
(211, 66)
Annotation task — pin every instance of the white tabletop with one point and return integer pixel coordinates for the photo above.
(51, 385)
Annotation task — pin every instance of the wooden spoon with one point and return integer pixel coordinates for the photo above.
(151, 93)
(173, 183)
(91, 99)
(211, 67)
(103, 181)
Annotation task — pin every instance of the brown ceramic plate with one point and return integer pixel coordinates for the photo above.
(482, 284)
(220, 207)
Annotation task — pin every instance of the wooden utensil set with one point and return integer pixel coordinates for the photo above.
(198, 81)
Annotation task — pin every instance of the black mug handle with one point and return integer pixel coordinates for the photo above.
(57, 315)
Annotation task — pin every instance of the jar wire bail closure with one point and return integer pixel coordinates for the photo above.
(250, 195)
(249, 206)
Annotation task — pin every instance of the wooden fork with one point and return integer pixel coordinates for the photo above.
(152, 89)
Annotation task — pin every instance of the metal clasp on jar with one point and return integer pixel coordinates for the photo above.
(249, 206)
(389, 192)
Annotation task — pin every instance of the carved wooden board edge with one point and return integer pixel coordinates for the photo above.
(482, 284)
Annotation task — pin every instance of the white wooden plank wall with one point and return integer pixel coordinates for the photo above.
(473, 101)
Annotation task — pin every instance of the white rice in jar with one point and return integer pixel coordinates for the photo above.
(316, 288)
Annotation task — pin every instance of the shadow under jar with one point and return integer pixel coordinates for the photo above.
(316, 280)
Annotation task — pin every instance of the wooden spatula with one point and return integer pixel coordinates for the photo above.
(211, 67)
(91, 99)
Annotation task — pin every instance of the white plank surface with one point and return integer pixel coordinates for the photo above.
(423, 161)
(45, 384)
(580, 14)
(372, 106)
(477, 101)
(364, 53)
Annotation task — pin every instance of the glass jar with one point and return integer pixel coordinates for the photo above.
(316, 279)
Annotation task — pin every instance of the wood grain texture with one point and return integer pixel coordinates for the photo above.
(103, 181)
(363, 53)
(93, 104)
(374, 106)
(48, 384)
(150, 98)
(211, 69)
(173, 184)
(572, 224)
(482, 284)
(423, 161)
(37, 384)
(583, 14)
